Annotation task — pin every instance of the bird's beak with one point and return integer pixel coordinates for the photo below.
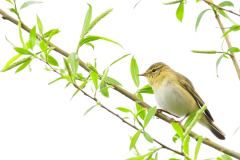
(143, 74)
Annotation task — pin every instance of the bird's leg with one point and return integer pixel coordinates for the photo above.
(163, 111)
(181, 120)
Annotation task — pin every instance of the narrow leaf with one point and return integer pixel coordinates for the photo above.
(51, 33)
(186, 145)
(234, 49)
(196, 118)
(150, 114)
(134, 139)
(178, 129)
(180, 11)
(39, 24)
(217, 63)
(119, 59)
(97, 19)
(91, 38)
(112, 81)
(32, 37)
(15, 64)
(23, 51)
(55, 80)
(197, 148)
(51, 60)
(87, 21)
(148, 137)
(199, 18)
(73, 61)
(10, 62)
(146, 89)
(134, 71)
(94, 77)
(23, 65)
(172, 2)
(28, 3)
(226, 4)
(123, 109)
(204, 52)
(90, 109)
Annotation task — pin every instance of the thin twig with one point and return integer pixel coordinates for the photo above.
(227, 39)
(129, 94)
(221, 8)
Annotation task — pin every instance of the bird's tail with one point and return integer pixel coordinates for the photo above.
(216, 131)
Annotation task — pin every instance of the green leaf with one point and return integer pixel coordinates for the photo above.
(28, 3)
(119, 59)
(204, 51)
(231, 29)
(55, 80)
(73, 61)
(226, 157)
(140, 110)
(123, 109)
(226, 4)
(134, 71)
(20, 32)
(10, 62)
(146, 89)
(172, 2)
(134, 139)
(51, 33)
(178, 129)
(189, 119)
(217, 63)
(15, 64)
(94, 77)
(9, 1)
(233, 49)
(23, 51)
(148, 137)
(90, 109)
(51, 60)
(103, 85)
(196, 118)
(43, 46)
(199, 18)
(32, 38)
(180, 11)
(23, 65)
(98, 18)
(39, 24)
(91, 38)
(87, 21)
(112, 81)
(197, 148)
(186, 145)
(150, 114)
(67, 67)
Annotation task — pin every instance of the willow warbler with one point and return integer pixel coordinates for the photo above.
(176, 94)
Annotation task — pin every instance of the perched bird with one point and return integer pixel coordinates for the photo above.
(175, 93)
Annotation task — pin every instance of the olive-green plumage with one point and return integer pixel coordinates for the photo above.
(176, 94)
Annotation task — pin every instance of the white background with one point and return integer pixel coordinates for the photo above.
(38, 121)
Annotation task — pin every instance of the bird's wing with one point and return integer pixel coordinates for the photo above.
(186, 84)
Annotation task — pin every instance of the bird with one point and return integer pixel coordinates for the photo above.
(176, 94)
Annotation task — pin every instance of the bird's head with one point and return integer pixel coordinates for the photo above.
(154, 72)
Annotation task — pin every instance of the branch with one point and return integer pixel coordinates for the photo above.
(227, 39)
(220, 8)
(128, 94)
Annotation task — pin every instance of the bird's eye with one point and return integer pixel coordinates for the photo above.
(154, 70)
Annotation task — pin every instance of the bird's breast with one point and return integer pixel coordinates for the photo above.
(174, 99)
